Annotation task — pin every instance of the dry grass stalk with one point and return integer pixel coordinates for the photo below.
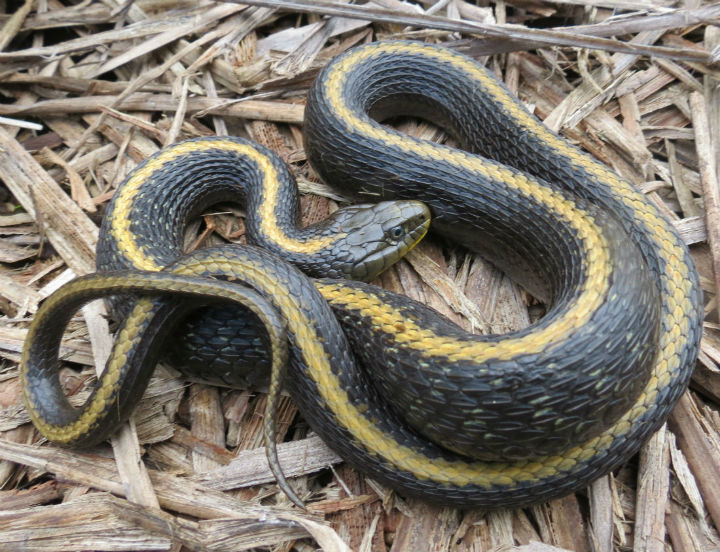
(90, 90)
(534, 37)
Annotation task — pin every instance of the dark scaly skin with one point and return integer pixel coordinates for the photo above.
(479, 212)
(474, 200)
(195, 174)
(190, 176)
(133, 362)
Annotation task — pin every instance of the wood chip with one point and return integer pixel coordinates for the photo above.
(652, 497)
(702, 453)
(92, 89)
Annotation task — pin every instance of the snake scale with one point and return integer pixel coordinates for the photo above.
(419, 404)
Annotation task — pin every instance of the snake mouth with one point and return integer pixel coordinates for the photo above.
(416, 235)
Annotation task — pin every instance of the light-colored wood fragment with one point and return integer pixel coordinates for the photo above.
(524, 531)
(280, 112)
(501, 528)
(181, 495)
(193, 25)
(24, 298)
(302, 57)
(11, 27)
(174, 130)
(128, 458)
(55, 283)
(232, 30)
(708, 177)
(11, 253)
(523, 34)
(430, 528)
(683, 533)
(601, 515)
(684, 194)
(85, 523)
(444, 286)
(142, 29)
(702, 453)
(361, 526)
(70, 231)
(207, 423)
(215, 453)
(38, 494)
(686, 479)
(20, 124)
(211, 92)
(540, 547)
(253, 436)
(135, 121)
(710, 90)
(135, 144)
(692, 229)
(561, 524)
(15, 220)
(652, 494)
(679, 73)
(250, 467)
(631, 114)
(287, 40)
(78, 191)
(585, 98)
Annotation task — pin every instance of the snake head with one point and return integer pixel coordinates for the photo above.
(375, 236)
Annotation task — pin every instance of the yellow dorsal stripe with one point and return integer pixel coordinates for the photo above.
(677, 304)
(460, 473)
(403, 458)
(597, 261)
(120, 221)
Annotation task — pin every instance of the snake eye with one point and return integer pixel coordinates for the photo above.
(396, 232)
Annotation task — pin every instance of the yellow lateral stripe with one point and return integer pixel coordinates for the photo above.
(383, 445)
(597, 258)
(676, 277)
(670, 251)
(349, 416)
(108, 384)
(460, 473)
(120, 221)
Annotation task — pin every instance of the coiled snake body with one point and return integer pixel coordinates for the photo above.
(487, 420)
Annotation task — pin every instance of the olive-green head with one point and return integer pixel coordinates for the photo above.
(372, 237)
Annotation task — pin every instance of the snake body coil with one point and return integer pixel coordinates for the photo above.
(515, 419)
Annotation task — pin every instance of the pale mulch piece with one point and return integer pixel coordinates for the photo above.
(91, 89)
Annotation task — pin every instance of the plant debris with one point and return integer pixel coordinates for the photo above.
(88, 89)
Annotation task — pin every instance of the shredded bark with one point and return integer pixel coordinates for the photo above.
(90, 89)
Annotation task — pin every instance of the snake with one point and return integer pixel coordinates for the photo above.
(397, 390)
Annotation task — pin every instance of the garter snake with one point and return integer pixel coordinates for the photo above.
(519, 418)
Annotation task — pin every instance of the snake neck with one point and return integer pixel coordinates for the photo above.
(148, 218)
(146, 221)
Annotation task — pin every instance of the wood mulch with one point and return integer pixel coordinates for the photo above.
(89, 89)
